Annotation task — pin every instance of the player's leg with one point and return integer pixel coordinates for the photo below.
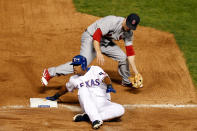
(63, 69)
(49, 73)
(86, 50)
(88, 105)
(110, 110)
(87, 47)
(115, 52)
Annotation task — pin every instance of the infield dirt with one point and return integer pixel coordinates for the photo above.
(42, 33)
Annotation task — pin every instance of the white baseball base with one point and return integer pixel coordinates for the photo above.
(42, 103)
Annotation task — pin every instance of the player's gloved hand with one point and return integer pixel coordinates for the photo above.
(110, 89)
(53, 98)
(137, 81)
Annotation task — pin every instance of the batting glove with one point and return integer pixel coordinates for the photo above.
(110, 89)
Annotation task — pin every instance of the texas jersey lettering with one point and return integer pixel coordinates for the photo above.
(91, 80)
(90, 83)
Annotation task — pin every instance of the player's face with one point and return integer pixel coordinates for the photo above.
(125, 26)
(77, 69)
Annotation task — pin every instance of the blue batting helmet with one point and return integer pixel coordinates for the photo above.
(80, 60)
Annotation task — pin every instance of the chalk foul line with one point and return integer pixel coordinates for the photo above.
(159, 106)
(127, 106)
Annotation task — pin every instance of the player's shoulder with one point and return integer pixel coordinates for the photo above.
(74, 77)
(95, 68)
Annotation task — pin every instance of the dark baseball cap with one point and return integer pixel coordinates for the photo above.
(132, 21)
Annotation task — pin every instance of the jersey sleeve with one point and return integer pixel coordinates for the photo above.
(99, 73)
(97, 35)
(129, 44)
(71, 84)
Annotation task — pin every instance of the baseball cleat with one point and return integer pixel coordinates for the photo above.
(45, 77)
(81, 117)
(130, 85)
(97, 124)
(127, 85)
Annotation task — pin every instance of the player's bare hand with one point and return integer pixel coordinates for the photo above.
(100, 59)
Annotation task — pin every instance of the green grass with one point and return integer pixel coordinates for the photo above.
(175, 16)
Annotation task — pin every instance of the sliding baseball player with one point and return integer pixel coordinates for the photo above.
(94, 87)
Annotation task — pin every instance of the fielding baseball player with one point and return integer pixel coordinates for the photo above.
(98, 40)
(94, 87)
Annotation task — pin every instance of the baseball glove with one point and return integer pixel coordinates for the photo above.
(137, 81)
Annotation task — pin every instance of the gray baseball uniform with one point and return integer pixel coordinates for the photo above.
(111, 28)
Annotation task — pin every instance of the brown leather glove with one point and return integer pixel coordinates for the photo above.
(137, 81)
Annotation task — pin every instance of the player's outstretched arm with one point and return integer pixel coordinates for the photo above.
(137, 80)
(99, 55)
(132, 63)
(61, 92)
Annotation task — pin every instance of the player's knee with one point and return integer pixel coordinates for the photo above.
(123, 59)
(121, 110)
